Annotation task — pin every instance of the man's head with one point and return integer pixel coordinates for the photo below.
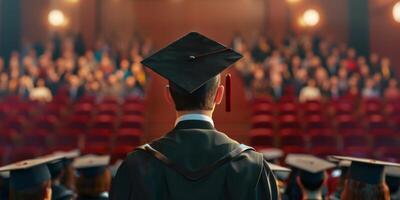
(204, 98)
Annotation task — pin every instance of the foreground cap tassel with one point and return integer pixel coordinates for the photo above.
(228, 90)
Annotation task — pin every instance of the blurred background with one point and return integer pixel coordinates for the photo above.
(317, 76)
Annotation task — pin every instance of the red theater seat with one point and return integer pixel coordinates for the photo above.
(288, 122)
(98, 149)
(262, 137)
(133, 109)
(131, 121)
(107, 109)
(23, 153)
(346, 122)
(287, 108)
(324, 140)
(263, 121)
(36, 138)
(385, 139)
(48, 122)
(264, 109)
(104, 122)
(83, 109)
(292, 140)
(376, 121)
(120, 152)
(127, 139)
(315, 121)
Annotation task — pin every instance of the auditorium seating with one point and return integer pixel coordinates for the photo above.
(107, 126)
(348, 126)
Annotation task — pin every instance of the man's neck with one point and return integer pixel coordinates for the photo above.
(208, 113)
(312, 195)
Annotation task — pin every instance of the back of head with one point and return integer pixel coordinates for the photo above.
(34, 193)
(310, 184)
(201, 99)
(356, 190)
(93, 186)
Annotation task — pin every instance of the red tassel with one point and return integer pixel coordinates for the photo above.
(228, 91)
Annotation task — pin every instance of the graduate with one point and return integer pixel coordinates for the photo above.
(67, 178)
(194, 160)
(59, 191)
(393, 181)
(4, 185)
(94, 177)
(311, 176)
(366, 179)
(30, 179)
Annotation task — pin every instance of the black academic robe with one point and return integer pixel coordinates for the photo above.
(194, 150)
(59, 192)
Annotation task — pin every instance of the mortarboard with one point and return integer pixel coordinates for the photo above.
(91, 165)
(29, 173)
(310, 167)
(366, 170)
(191, 61)
(282, 173)
(68, 155)
(272, 154)
(392, 178)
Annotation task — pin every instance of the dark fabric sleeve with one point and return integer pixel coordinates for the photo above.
(121, 184)
(267, 187)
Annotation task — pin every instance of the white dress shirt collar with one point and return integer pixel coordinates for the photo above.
(199, 117)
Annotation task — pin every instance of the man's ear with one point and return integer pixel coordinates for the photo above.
(219, 96)
(48, 193)
(167, 95)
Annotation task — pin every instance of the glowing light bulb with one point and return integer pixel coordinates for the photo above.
(56, 18)
(310, 17)
(396, 12)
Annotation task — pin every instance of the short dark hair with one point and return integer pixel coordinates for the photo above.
(35, 193)
(201, 99)
(311, 185)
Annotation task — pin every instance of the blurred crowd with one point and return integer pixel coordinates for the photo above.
(64, 66)
(313, 68)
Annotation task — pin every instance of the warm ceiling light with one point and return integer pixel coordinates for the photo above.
(72, 1)
(293, 1)
(396, 12)
(310, 17)
(56, 18)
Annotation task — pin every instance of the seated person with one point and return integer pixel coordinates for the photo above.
(94, 177)
(30, 179)
(310, 92)
(41, 93)
(311, 175)
(365, 179)
(392, 92)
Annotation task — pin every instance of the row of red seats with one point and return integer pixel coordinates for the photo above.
(376, 121)
(383, 143)
(338, 107)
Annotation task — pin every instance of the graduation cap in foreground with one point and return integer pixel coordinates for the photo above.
(272, 154)
(68, 156)
(29, 173)
(393, 178)
(310, 168)
(282, 173)
(366, 170)
(91, 165)
(191, 61)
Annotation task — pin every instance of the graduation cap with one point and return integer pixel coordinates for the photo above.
(367, 170)
(310, 168)
(29, 173)
(68, 156)
(191, 61)
(272, 154)
(91, 165)
(393, 178)
(282, 173)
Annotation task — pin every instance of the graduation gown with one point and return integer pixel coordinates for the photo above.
(59, 192)
(194, 161)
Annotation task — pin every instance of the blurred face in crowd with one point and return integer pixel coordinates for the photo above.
(393, 83)
(385, 62)
(374, 58)
(276, 79)
(361, 60)
(369, 83)
(130, 81)
(334, 81)
(296, 62)
(342, 73)
(99, 75)
(364, 70)
(301, 74)
(351, 53)
(124, 65)
(41, 83)
(331, 61)
(259, 73)
(311, 83)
